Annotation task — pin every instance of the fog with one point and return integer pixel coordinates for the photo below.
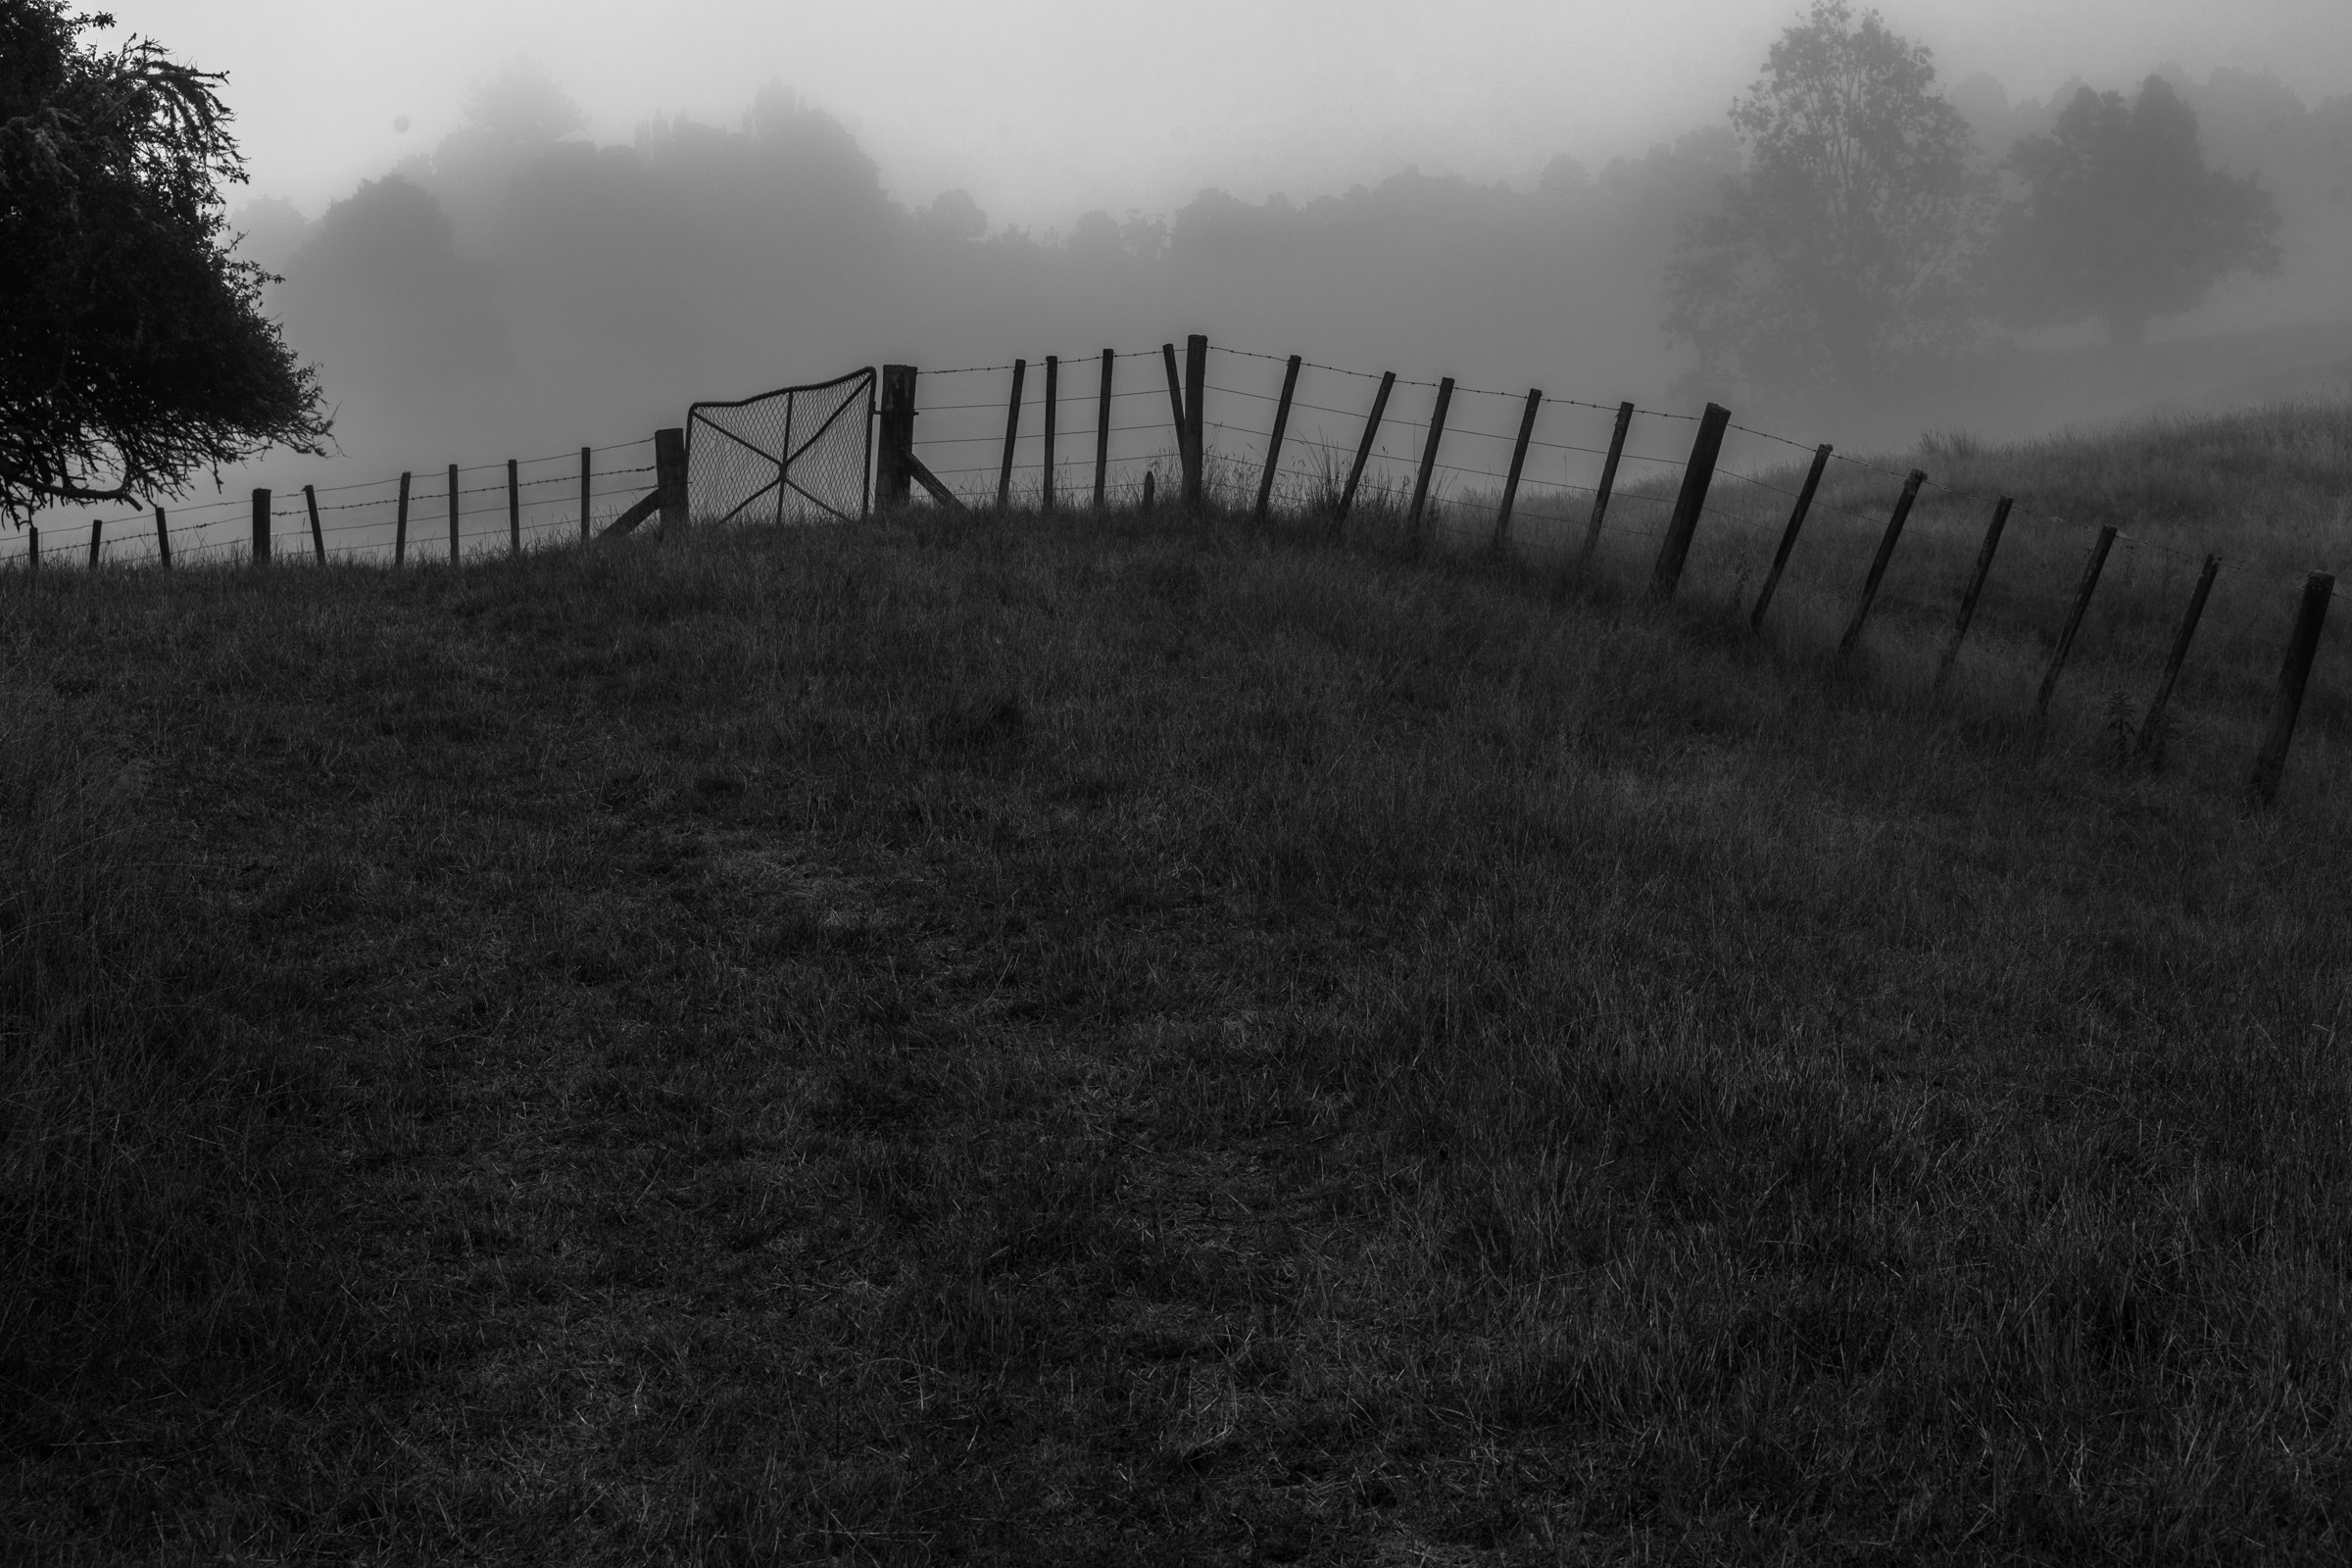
(1043, 108)
(517, 229)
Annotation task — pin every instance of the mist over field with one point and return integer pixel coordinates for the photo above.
(557, 286)
(536, 277)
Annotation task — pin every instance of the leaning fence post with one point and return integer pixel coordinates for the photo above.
(2151, 728)
(585, 452)
(514, 508)
(1103, 430)
(2073, 617)
(893, 478)
(1796, 521)
(453, 513)
(97, 528)
(1196, 400)
(1608, 481)
(1012, 433)
(2270, 764)
(1364, 449)
(1698, 475)
(1976, 587)
(163, 540)
(1511, 483)
(1878, 563)
(400, 526)
(669, 476)
(310, 501)
(1167, 358)
(1429, 464)
(261, 527)
(1282, 421)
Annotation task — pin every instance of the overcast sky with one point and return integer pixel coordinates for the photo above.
(1045, 108)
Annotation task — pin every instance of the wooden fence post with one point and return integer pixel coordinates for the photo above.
(1608, 481)
(2151, 728)
(514, 508)
(400, 527)
(1796, 521)
(2073, 617)
(261, 527)
(1364, 449)
(33, 552)
(1878, 563)
(1976, 587)
(1511, 483)
(163, 540)
(585, 476)
(1282, 421)
(453, 515)
(1428, 465)
(1103, 430)
(893, 480)
(1167, 358)
(1012, 433)
(310, 501)
(2270, 764)
(1195, 402)
(1053, 396)
(1698, 475)
(97, 528)
(865, 458)
(669, 476)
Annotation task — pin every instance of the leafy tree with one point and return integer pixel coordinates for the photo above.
(134, 350)
(953, 216)
(2121, 219)
(379, 283)
(1846, 245)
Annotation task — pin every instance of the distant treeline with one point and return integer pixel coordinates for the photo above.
(523, 275)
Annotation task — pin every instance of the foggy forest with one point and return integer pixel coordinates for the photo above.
(521, 278)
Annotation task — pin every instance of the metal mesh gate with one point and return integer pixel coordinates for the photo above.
(795, 455)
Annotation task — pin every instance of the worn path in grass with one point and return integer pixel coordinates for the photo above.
(1064, 1044)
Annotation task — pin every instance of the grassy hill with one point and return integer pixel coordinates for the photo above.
(1058, 1039)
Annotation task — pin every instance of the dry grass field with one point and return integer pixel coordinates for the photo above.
(1071, 1039)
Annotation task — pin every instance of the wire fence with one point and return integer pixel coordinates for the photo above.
(1557, 481)
(364, 520)
(968, 430)
(2069, 586)
(966, 442)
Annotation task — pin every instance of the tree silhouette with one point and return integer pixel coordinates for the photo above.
(133, 350)
(2122, 219)
(379, 283)
(1846, 245)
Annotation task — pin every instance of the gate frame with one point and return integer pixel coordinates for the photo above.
(783, 465)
